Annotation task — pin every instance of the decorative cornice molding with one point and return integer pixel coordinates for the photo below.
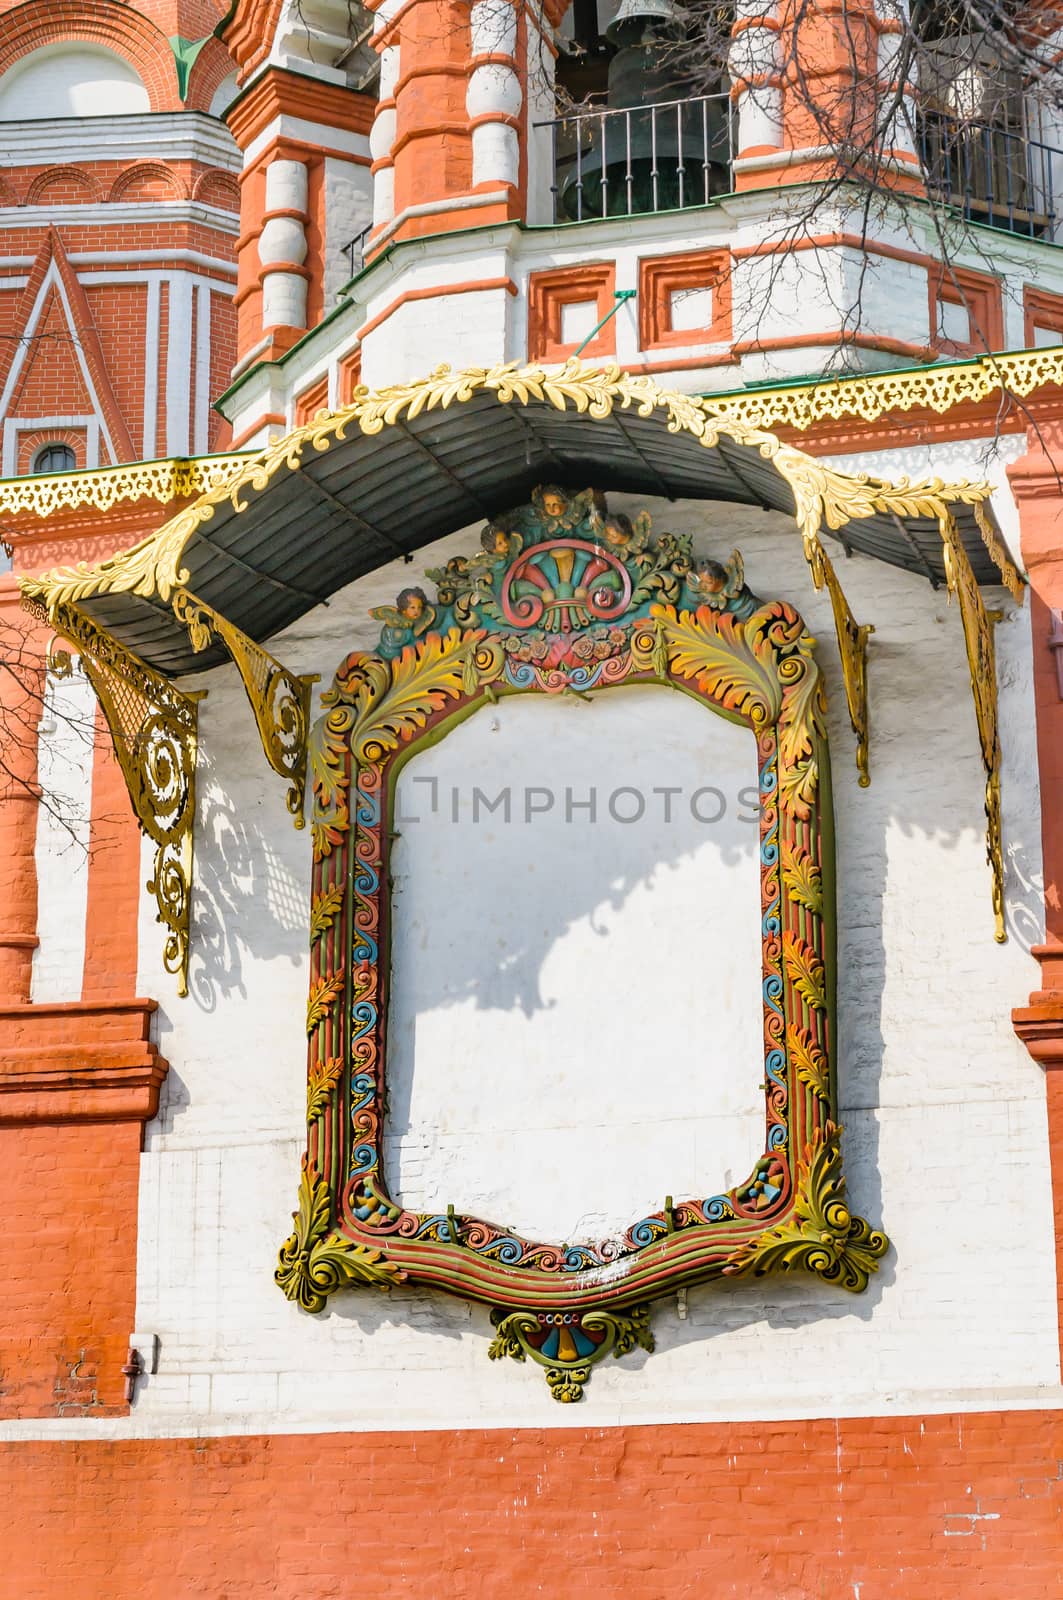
(164, 136)
(82, 1061)
(868, 397)
(163, 481)
(279, 92)
(1040, 1027)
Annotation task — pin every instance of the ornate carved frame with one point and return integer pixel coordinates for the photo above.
(750, 661)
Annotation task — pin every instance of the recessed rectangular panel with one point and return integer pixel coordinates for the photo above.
(548, 1056)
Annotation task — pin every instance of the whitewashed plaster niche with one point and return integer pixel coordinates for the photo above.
(71, 80)
(944, 1112)
(541, 999)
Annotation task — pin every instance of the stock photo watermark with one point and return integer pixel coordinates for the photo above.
(525, 804)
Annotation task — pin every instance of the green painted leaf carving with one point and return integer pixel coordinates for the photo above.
(314, 1262)
(821, 1234)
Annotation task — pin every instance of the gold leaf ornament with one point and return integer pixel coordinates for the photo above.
(396, 698)
(714, 651)
(323, 1078)
(809, 1060)
(803, 880)
(805, 971)
(323, 994)
(324, 909)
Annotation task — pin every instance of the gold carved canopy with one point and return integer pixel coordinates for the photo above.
(280, 531)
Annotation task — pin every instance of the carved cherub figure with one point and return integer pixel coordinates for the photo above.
(621, 535)
(560, 512)
(498, 543)
(722, 588)
(404, 623)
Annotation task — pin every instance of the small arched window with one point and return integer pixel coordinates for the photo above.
(54, 458)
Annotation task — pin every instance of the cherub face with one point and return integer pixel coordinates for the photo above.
(494, 541)
(709, 577)
(617, 530)
(411, 604)
(554, 504)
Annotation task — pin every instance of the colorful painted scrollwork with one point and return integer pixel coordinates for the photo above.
(569, 1343)
(564, 596)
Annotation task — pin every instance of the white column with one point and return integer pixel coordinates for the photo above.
(494, 95)
(201, 395)
(178, 363)
(754, 69)
(382, 138)
(282, 245)
(894, 15)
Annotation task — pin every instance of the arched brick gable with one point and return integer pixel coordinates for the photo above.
(63, 185)
(45, 354)
(148, 180)
(211, 67)
(217, 188)
(100, 22)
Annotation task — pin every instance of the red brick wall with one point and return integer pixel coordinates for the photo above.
(67, 1254)
(915, 1508)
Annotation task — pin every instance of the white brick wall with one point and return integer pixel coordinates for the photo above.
(943, 1109)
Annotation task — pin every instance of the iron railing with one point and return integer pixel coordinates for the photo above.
(646, 158)
(680, 153)
(995, 175)
(354, 250)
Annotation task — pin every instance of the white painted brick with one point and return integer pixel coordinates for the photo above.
(944, 1113)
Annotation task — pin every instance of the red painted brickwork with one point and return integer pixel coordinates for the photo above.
(101, 182)
(934, 1508)
(114, 879)
(68, 1195)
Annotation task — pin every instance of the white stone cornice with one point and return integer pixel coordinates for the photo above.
(156, 136)
(119, 213)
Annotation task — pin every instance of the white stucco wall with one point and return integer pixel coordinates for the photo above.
(541, 974)
(64, 763)
(943, 1109)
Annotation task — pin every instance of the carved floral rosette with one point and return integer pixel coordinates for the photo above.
(750, 661)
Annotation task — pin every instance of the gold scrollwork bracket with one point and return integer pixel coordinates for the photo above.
(153, 728)
(981, 658)
(852, 648)
(280, 698)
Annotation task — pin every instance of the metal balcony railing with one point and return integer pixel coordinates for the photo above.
(992, 174)
(354, 250)
(647, 158)
(680, 153)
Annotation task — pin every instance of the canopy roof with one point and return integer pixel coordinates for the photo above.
(401, 467)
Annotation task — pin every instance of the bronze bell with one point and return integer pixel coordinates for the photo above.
(661, 155)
